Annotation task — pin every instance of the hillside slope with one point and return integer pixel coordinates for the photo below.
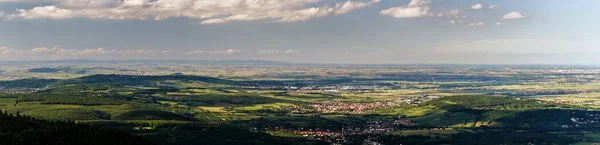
(23, 130)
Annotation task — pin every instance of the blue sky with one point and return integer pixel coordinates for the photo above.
(313, 31)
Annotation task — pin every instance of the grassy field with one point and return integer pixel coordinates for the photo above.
(585, 86)
(7, 101)
(423, 132)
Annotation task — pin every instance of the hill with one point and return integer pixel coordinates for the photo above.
(131, 80)
(27, 83)
(44, 70)
(23, 130)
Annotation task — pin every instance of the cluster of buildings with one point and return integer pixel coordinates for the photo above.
(339, 107)
(337, 89)
(19, 90)
(416, 99)
(340, 136)
(585, 120)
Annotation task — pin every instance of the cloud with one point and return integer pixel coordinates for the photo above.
(476, 24)
(140, 51)
(228, 51)
(406, 12)
(268, 51)
(58, 52)
(514, 15)
(477, 6)
(213, 21)
(414, 9)
(417, 9)
(195, 52)
(455, 21)
(5, 51)
(209, 11)
(292, 51)
(28, 1)
(416, 3)
(350, 6)
(498, 23)
(66, 53)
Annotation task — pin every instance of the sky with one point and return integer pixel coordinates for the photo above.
(304, 31)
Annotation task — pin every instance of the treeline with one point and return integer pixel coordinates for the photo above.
(92, 94)
(22, 130)
(44, 70)
(487, 103)
(72, 98)
(512, 113)
(479, 138)
(27, 83)
(226, 135)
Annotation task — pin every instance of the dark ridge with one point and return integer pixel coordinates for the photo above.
(43, 70)
(24, 130)
(151, 115)
(132, 80)
(27, 83)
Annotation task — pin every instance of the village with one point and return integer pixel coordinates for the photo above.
(340, 136)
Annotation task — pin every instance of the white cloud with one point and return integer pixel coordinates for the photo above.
(476, 24)
(268, 51)
(453, 14)
(514, 15)
(406, 12)
(5, 51)
(417, 9)
(498, 23)
(66, 53)
(140, 51)
(477, 6)
(349, 6)
(228, 51)
(28, 1)
(195, 52)
(213, 21)
(481, 6)
(455, 21)
(292, 51)
(416, 3)
(210, 11)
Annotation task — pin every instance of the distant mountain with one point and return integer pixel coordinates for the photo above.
(27, 83)
(43, 70)
(125, 80)
(149, 61)
(132, 80)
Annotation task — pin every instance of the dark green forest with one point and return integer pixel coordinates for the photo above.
(18, 129)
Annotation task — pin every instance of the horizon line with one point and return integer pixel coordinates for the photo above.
(305, 63)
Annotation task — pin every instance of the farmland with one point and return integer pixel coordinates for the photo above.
(171, 104)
